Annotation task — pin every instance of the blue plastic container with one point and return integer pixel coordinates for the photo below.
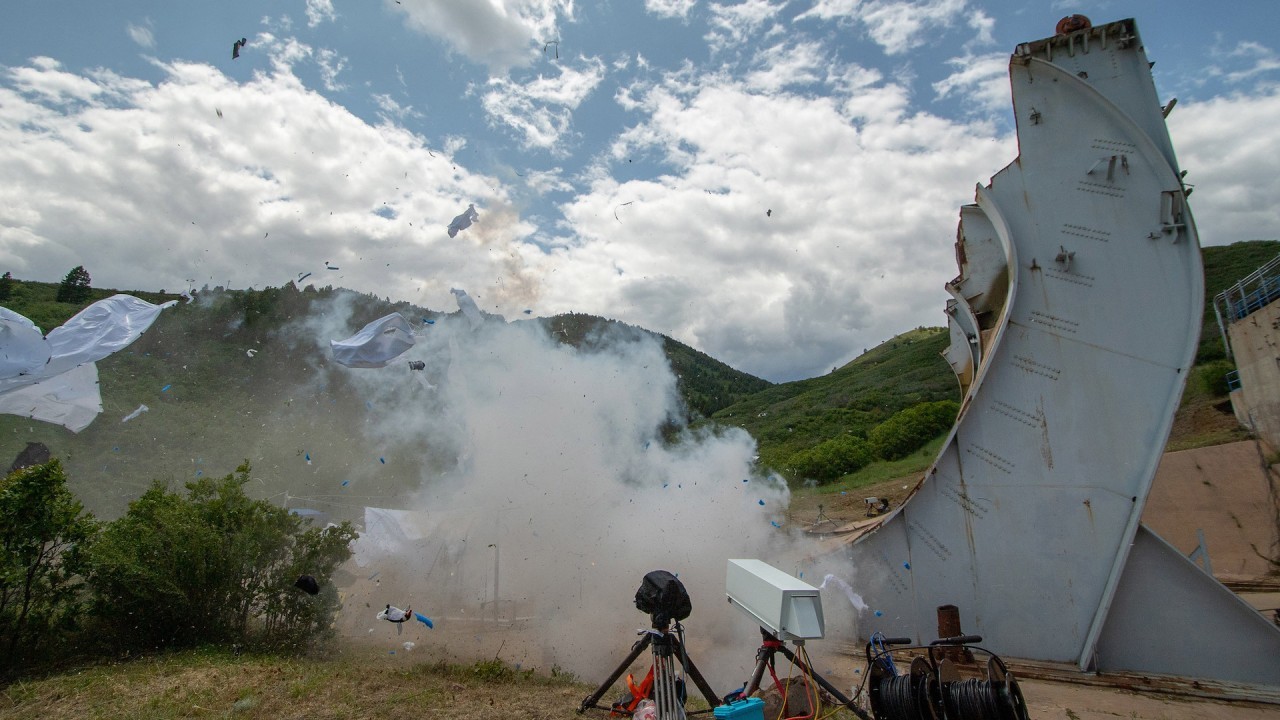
(749, 709)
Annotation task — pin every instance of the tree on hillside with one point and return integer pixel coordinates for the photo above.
(75, 286)
(214, 566)
(44, 533)
(6, 286)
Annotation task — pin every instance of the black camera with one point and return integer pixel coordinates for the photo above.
(664, 598)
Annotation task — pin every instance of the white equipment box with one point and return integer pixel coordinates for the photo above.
(784, 605)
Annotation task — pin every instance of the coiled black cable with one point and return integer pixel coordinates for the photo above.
(903, 697)
(973, 699)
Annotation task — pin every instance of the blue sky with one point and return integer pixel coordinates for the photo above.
(775, 183)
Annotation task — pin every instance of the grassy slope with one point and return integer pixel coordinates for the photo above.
(902, 372)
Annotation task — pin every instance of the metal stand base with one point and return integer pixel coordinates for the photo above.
(764, 659)
(666, 647)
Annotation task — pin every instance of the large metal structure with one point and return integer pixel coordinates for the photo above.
(1074, 322)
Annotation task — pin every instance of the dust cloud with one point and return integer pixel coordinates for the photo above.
(552, 479)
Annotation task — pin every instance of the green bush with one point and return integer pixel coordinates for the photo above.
(830, 459)
(44, 533)
(1212, 377)
(213, 567)
(908, 430)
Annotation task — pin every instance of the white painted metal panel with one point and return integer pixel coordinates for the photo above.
(1026, 520)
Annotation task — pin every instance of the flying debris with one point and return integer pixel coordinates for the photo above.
(54, 378)
(219, 111)
(377, 343)
(768, 213)
(468, 307)
(250, 352)
(141, 409)
(302, 277)
(417, 365)
(235, 47)
(307, 584)
(424, 620)
(615, 210)
(854, 598)
(549, 44)
(327, 266)
(463, 221)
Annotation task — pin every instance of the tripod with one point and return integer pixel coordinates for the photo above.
(770, 645)
(661, 681)
(822, 517)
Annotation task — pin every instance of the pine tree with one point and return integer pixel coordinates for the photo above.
(75, 286)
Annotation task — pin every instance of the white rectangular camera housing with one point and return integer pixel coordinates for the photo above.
(784, 605)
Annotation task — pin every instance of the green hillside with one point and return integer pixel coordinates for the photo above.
(235, 375)
(898, 374)
(239, 374)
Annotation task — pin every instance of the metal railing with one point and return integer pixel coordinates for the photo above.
(1233, 381)
(1257, 290)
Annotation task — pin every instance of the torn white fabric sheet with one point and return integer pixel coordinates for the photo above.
(377, 343)
(70, 399)
(92, 334)
(390, 532)
(463, 221)
(468, 307)
(141, 409)
(854, 598)
(99, 330)
(23, 349)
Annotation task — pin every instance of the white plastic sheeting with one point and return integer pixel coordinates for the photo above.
(463, 221)
(390, 533)
(70, 399)
(23, 348)
(99, 330)
(377, 343)
(468, 307)
(63, 389)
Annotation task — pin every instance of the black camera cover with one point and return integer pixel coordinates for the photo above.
(663, 596)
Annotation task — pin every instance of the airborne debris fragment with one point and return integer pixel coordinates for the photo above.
(854, 598)
(307, 584)
(468, 307)
(377, 343)
(463, 221)
(141, 409)
(235, 47)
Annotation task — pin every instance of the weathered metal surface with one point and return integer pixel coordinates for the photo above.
(1026, 519)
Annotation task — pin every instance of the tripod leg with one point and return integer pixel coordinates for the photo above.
(703, 686)
(591, 700)
(839, 696)
(764, 658)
